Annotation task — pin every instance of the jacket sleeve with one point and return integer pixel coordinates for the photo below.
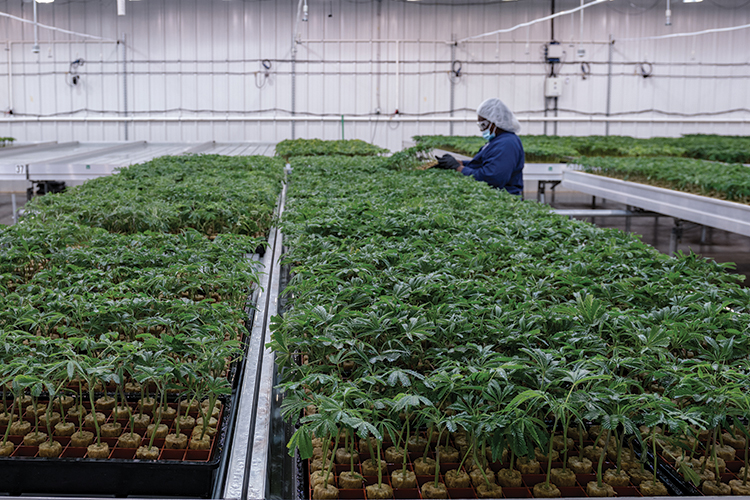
(492, 165)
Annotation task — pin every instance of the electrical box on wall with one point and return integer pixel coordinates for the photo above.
(553, 52)
(553, 87)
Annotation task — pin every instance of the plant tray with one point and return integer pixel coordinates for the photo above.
(185, 472)
(523, 491)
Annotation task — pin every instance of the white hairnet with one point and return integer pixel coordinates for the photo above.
(498, 113)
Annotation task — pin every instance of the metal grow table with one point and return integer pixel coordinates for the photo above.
(711, 212)
(28, 165)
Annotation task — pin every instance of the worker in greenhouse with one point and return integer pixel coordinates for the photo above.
(500, 162)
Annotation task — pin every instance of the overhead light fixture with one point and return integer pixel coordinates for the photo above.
(120, 7)
(44, 1)
(691, 1)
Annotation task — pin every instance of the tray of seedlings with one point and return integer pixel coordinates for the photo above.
(446, 340)
(555, 149)
(121, 334)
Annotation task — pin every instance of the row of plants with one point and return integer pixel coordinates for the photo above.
(50, 389)
(555, 149)
(290, 148)
(717, 180)
(210, 193)
(436, 323)
(6, 141)
(116, 335)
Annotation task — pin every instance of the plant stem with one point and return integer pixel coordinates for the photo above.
(580, 442)
(619, 439)
(406, 447)
(177, 420)
(156, 423)
(93, 414)
(549, 452)
(459, 465)
(330, 463)
(481, 465)
(142, 402)
(601, 461)
(49, 418)
(80, 408)
(380, 468)
(437, 463)
(694, 447)
(351, 450)
(124, 400)
(713, 454)
(20, 414)
(10, 421)
(565, 447)
(36, 417)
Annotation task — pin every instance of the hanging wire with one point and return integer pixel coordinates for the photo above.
(585, 70)
(645, 69)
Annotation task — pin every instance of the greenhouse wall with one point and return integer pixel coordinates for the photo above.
(193, 70)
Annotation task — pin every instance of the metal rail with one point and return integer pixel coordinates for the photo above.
(732, 217)
(240, 449)
(595, 212)
(258, 474)
(247, 468)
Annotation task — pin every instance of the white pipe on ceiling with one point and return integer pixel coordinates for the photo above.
(535, 21)
(692, 33)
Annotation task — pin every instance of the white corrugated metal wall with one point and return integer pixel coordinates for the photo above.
(191, 70)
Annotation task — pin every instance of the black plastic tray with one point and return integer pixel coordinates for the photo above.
(118, 477)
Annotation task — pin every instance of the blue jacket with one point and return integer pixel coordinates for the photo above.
(499, 163)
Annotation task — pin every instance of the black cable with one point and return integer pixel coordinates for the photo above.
(456, 71)
(585, 70)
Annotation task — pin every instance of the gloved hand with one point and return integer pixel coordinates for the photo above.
(447, 162)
